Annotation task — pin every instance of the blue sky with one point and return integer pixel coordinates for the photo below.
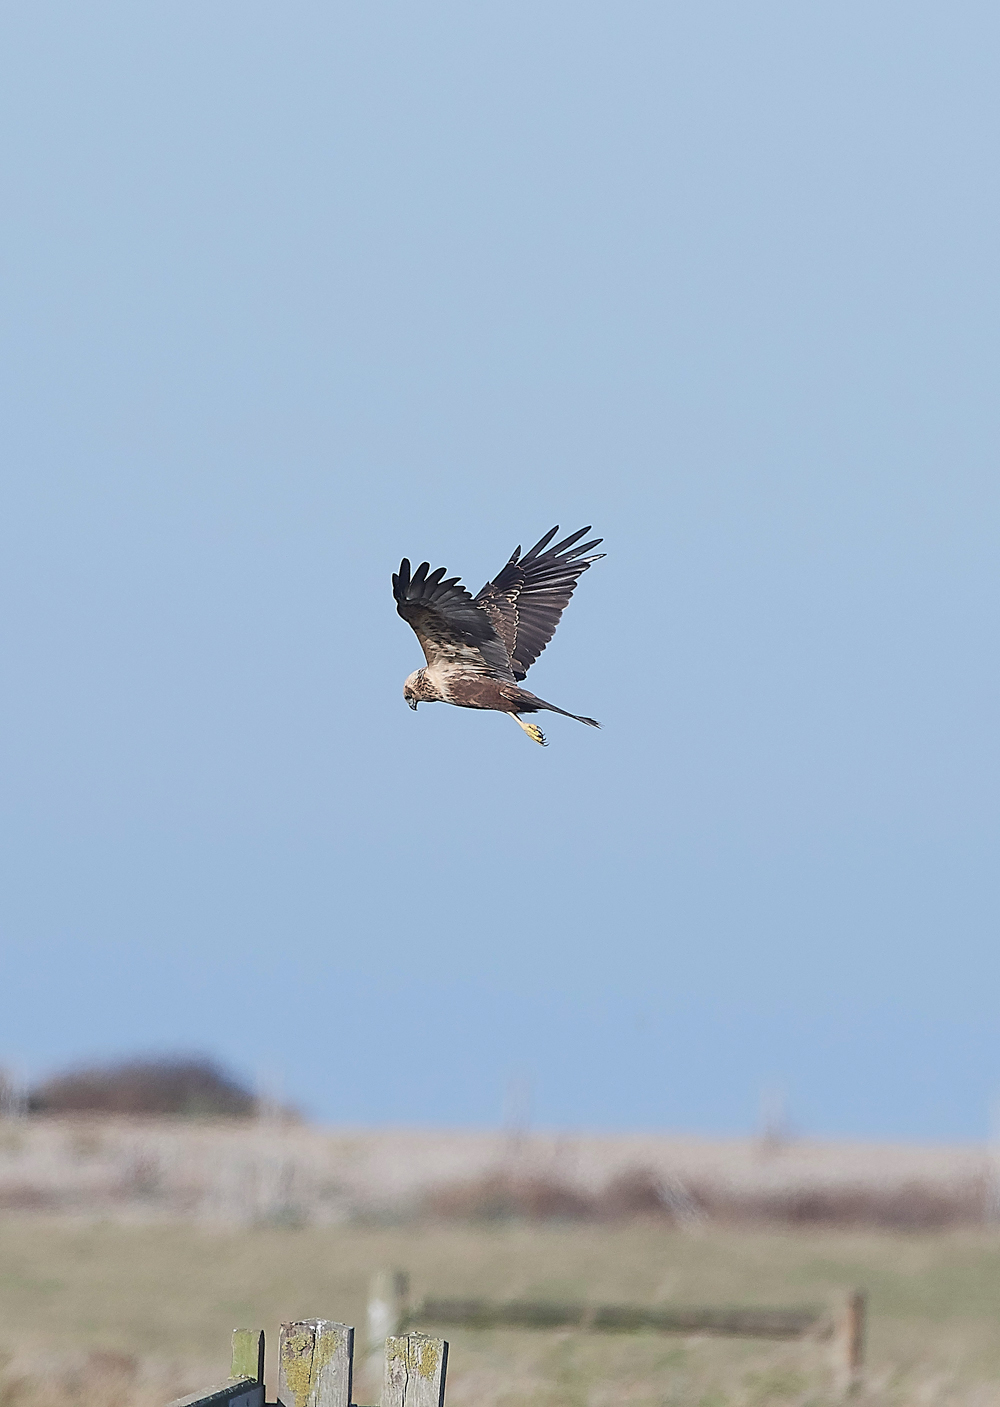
(292, 291)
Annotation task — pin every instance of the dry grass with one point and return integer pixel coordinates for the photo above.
(132, 1169)
(130, 1249)
(132, 1315)
(102, 1376)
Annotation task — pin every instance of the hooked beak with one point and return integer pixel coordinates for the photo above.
(413, 704)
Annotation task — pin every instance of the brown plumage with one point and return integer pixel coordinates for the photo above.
(477, 650)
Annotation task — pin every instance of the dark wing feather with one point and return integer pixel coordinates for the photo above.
(525, 602)
(450, 627)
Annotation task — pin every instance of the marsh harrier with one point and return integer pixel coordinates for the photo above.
(478, 649)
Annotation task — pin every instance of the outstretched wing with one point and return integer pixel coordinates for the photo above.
(524, 603)
(451, 628)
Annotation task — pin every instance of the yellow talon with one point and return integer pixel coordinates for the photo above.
(532, 729)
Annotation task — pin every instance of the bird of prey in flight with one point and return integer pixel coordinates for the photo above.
(478, 649)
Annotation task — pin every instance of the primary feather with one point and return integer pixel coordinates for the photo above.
(526, 600)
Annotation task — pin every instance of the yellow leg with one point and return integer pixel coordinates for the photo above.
(532, 729)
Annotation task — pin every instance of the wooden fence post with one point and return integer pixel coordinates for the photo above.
(248, 1354)
(850, 1339)
(388, 1304)
(245, 1386)
(388, 1301)
(315, 1362)
(415, 1369)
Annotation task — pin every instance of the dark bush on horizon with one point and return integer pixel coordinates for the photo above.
(186, 1088)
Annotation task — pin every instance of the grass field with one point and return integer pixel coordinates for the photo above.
(136, 1314)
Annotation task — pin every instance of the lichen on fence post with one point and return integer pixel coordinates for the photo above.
(315, 1362)
(415, 1370)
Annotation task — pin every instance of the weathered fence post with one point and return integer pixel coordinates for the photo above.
(315, 1361)
(850, 1339)
(245, 1387)
(388, 1303)
(415, 1369)
(248, 1354)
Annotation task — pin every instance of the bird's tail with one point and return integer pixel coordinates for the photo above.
(531, 703)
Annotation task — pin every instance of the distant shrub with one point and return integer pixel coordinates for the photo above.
(189, 1088)
(910, 1206)
(642, 1193)
(25, 1197)
(503, 1196)
(635, 1192)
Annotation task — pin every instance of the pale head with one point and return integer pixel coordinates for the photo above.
(411, 689)
(419, 689)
